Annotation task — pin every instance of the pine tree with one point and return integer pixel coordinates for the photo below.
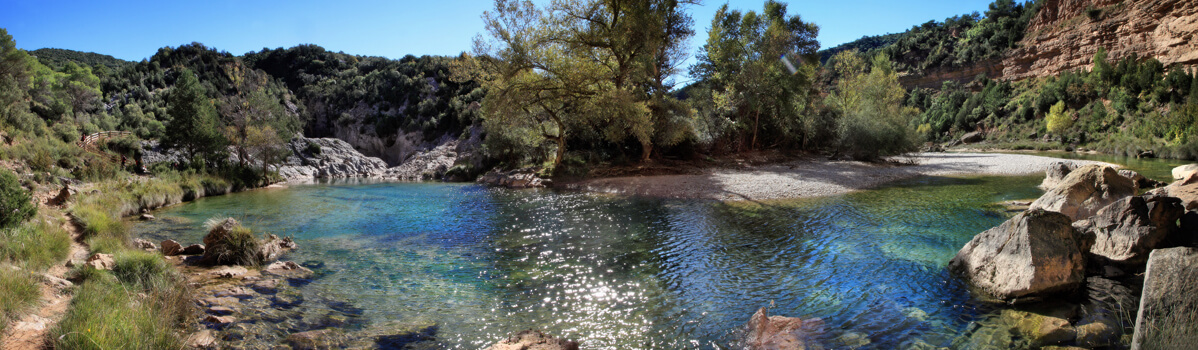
(193, 128)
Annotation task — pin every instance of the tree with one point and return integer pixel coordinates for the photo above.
(16, 204)
(873, 122)
(16, 70)
(761, 68)
(193, 127)
(1058, 119)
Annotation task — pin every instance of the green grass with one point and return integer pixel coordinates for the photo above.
(138, 305)
(239, 247)
(18, 292)
(36, 244)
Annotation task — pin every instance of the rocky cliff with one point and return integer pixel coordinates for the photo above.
(1065, 34)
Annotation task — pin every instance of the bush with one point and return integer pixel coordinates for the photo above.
(313, 148)
(139, 268)
(18, 291)
(238, 247)
(1058, 119)
(16, 205)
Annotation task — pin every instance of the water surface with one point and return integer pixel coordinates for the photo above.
(626, 273)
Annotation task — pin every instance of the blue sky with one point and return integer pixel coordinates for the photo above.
(134, 30)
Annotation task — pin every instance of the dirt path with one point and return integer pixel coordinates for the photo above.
(31, 331)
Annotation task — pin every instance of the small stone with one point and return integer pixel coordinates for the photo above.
(56, 282)
(266, 286)
(229, 271)
(235, 292)
(219, 301)
(220, 321)
(147, 217)
(144, 244)
(101, 261)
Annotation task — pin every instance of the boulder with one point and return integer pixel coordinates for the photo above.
(1141, 181)
(171, 248)
(144, 244)
(1168, 307)
(1184, 171)
(1055, 173)
(64, 195)
(194, 249)
(100, 261)
(220, 321)
(1086, 190)
(973, 137)
(1125, 232)
(534, 340)
(1185, 189)
(1035, 253)
(778, 332)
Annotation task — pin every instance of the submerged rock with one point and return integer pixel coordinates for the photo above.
(1086, 190)
(287, 269)
(201, 340)
(534, 340)
(1109, 309)
(1168, 307)
(1127, 230)
(780, 333)
(272, 247)
(317, 339)
(1040, 329)
(1035, 253)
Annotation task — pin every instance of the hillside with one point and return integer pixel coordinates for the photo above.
(56, 58)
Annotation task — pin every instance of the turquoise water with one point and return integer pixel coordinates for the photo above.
(624, 273)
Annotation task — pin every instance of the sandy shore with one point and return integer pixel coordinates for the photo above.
(815, 177)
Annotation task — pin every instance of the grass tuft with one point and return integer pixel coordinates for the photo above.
(36, 244)
(18, 292)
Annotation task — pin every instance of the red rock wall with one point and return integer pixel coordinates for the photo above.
(1063, 37)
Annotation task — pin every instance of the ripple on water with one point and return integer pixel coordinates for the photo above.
(627, 273)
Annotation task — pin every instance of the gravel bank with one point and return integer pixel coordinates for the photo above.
(815, 177)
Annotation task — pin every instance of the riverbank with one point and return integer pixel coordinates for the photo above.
(814, 177)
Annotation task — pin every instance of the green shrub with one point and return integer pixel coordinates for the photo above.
(140, 268)
(16, 205)
(313, 148)
(18, 292)
(239, 247)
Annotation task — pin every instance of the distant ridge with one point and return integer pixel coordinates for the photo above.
(56, 58)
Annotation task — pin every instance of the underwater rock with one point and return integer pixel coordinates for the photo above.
(265, 286)
(1125, 231)
(229, 271)
(272, 247)
(1167, 304)
(1035, 253)
(220, 321)
(221, 310)
(287, 269)
(1039, 329)
(534, 340)
(779, 332)
(1086, 190)
(201, 340)
(317, 339)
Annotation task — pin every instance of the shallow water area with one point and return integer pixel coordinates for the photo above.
(617, 272)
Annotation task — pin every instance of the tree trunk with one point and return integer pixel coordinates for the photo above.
(646, 151)
(561, 151)
(753, 144)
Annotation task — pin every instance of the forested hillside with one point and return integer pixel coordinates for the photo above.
(57, 58)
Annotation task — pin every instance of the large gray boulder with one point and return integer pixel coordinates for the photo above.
(1033, 254)
(1127, 230)
(327, 158)
(1168, 306)
(1086, 190)
(765, 332)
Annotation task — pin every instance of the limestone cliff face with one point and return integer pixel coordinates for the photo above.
(1065, 34)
